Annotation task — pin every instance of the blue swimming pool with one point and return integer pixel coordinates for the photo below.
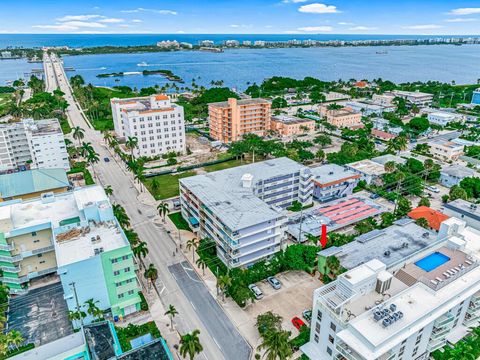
(432, 261)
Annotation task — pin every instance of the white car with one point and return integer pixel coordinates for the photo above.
(256, 291)
(433, 189)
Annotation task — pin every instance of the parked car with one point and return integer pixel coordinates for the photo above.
(256, 291)
(272, 280)
(307, 315)
(433, 188)
(297, 322)
(374, 196)
(106, 159)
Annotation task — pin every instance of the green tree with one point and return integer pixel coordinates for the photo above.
(151, 274)
(192, 244)
(404, 206)
(424, 201)
(131, 144)
(389, 166)
(223, 283)
(140, 251)
(190, 344)
(387, 219)
(457, 192)
(323, 140)
(320, 155)
(268, 323)
(422, 222)
(121, 216)
(108, 190)
(277, 346)
(202, 264)
(15, 338)
(278, 103)
(93, 309)
(78, 134)
(163, 210)
(171, 312)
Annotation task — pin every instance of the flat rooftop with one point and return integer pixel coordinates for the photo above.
(255, 101)
(290, 120)
(383, 159)
(100, 341)
(331, 173)
(416, 94)
(368, 167)
(446, 143)
(458, 171)
(237, 207)
(335, 214)
(32, 181)
(390, 245)
(43, 127)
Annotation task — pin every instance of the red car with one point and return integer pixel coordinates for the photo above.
(297, 322)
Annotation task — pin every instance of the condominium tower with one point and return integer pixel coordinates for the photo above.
(230, 120)
(156, 122)
(242, 209)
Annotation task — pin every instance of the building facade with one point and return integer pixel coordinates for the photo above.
(476, 97)
(414, 97)
(370, 171)
(342, 118)
(242, 209)
(453, 174)
(333, 181)
(403, 312)
(156, 122)
(230, 120)
(35, 144)
(76, 236)
(445, 150)
(291, 126)
(441, 118)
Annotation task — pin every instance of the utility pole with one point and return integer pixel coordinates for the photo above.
(72, 284)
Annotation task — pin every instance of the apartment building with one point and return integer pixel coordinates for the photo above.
(156, 122)
(445, 150)
(370, 171)
(453, 174)
(405, 311)
(383, 99)
(442, 118)
(291, 125)
(414, 97)
(342, 118)
(384, 125)
(476, 97)
(242, 208)
(464, 210)
(332, 181)
(33, 144)
(230, 120)
(76, 236)
(367, 108)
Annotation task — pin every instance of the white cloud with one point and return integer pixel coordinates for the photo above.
(317, 8)
(125, 25)
(460, 20)
(59, 27)
(161, 12)
(87, 24)
(79, 17)
(423, 27)
(345, 23)
(316, 28)
(294, 1)
(137, 21)
(465, 11)
(111, 20)
(180, 32)
(244, 26)
(362, 28)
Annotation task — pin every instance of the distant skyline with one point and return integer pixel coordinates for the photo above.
(406, 17)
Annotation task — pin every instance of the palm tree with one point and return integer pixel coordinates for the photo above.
(107, 136)
(428, 165)
(78, 134)
(333, 264)
(192, 245)
(202, 264)
(15, 338)
(163, 210)
(277, 345)
(85, 149)
(76, 315)
(108, 190)
(223, 283)
(171, 312)
(140, 251)
(16, 111)
(389, 166)
(312, 238)
(92, 159)
(93, 309)
(190, 344)
(400, 177)
(151, 273)
(121, 215)
(131, 143)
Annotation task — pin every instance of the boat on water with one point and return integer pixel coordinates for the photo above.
(381, 52)
(143, 63)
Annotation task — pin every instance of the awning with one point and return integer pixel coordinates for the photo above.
(193, 221)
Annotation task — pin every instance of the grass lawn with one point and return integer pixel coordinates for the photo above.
(179, 221)
(224, 165)
(167, 185)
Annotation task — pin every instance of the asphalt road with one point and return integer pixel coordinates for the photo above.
(229, 340)
(160, 244)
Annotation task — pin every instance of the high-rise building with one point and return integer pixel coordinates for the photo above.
(230, 120)
(404, 310)
(75, 235)
(241, 208)
(156, 122)
(33, 144)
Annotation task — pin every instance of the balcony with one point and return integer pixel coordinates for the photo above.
(6, 247)
(347, 352)
(444, 321)
(11, 269)
(436, 344)
(14, 280)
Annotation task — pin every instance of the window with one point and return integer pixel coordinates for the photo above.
(118, 284)
(317, 327)
(316, 338)
(125, 257)
(34, 233)
(39, 255)
(329, 351)
(130, 292)
(116, 273)
(121, 296)
(415, 351)
(333, 327)
(36, 241)
(331, 339)
(42, 262)
(127, 269)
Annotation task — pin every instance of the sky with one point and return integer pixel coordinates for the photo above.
(422, 17)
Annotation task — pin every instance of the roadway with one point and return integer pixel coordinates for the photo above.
(161, 246)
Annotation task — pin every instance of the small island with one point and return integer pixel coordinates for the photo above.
(166, 73)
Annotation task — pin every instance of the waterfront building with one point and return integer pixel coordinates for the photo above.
(342, 118)
(6, 54)
(232, 43)
(32, 183)
(370, 171)
(476, 97)
(453, 174)
(206, 43)
(34, 144)
(445, 150)
(442, 118)
(186, 45)
(242, 208)
(332, 96)
(166, 44)
(332, 181)
(290, 125)
(156, 122)
(414, 97)
(246, 43)
(76, 236)
(230, 120)
(259, 43)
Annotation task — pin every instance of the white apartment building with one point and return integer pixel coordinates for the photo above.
(406, 311)
(442, 118)
(38, 144)
(242, 208)
(156, 122)
(445, 150)
(414, 97)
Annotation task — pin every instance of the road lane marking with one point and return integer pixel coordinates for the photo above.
(194, 308)
(216, 342)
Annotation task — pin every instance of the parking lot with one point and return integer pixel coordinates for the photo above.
(41, 315)
(295, 296)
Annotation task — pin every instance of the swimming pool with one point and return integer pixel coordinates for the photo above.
(432, 261)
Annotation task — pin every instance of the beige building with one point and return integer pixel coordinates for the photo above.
(341, 118)
(230, 120)
(291, 125)
(445, 150)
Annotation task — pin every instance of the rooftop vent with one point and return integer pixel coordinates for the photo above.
(247, 180)
(387, 253)
(330, 173)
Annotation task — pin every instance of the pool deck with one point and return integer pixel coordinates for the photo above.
(413, 273)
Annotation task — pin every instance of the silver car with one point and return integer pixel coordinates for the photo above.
(256, 291)
(272, 280)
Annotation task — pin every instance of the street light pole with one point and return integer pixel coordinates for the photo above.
(72, 284)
